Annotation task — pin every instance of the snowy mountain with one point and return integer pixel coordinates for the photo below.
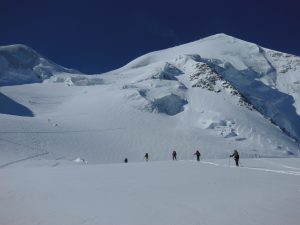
(268, 79)
(216, 94)
(20, 64)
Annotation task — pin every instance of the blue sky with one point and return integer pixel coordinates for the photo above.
(97, 36)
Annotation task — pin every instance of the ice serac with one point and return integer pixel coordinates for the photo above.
(20, 64)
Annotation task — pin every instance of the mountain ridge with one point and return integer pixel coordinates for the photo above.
(20, 64)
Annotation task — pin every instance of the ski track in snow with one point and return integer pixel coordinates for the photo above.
(287, 172)
(16, 143)
(150, 193)
(24, 159)
(279, 164)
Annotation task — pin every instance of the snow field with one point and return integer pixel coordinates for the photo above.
(181, 192)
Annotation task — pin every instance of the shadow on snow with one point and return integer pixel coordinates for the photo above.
(11, 107)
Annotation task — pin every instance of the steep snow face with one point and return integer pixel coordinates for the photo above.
(20, 64)
(288, 74)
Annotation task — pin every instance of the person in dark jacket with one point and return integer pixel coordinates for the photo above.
(146, 157)
(125, 160)
(236, 157)
(197, 154)
(174, 155)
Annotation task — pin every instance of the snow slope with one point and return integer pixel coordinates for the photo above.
(216, 94)
(265, 191)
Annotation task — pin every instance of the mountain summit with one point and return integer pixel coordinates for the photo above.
(266, 79)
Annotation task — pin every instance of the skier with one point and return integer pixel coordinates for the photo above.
(146, 157)
(197, 154)
(236, 157)
(125, 160)
(174, 155)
